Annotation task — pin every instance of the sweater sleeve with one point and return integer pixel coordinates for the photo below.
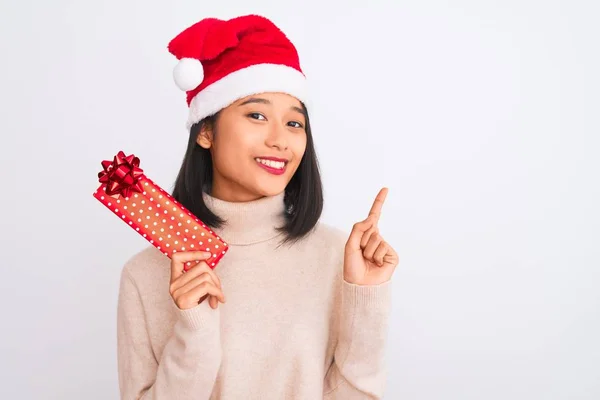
(358, 368)
(190, 360)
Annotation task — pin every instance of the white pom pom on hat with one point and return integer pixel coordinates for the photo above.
(188, 74)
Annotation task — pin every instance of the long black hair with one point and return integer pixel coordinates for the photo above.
(303, 195)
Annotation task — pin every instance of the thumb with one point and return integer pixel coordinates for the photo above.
(358, 230)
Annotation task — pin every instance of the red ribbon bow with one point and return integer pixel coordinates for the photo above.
(122, 175)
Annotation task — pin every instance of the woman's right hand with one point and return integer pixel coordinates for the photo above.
(190, 288)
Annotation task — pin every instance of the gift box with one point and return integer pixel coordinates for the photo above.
(153, 213)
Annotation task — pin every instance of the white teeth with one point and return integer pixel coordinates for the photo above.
(272, 164)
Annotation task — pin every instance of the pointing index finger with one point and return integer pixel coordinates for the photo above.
(375, 211)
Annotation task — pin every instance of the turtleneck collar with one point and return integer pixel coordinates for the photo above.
(248, 222)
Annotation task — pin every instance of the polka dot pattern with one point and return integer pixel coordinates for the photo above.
(175, 229)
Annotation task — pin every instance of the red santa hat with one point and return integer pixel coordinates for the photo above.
(221, 61)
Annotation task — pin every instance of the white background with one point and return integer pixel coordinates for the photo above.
(480, 116)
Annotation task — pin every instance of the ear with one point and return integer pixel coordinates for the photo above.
(205, 136)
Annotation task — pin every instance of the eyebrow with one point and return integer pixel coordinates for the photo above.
(265, 101)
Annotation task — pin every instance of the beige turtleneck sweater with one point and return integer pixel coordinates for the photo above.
(291, 328)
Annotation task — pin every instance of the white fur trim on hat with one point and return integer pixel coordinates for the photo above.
(259, 78)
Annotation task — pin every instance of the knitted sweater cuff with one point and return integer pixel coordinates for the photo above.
(200, 316)
(376, 297)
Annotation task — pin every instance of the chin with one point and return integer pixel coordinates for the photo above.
(270, 190)
(264, 184)
(269, 186)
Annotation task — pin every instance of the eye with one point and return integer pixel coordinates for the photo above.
(299, 125)
(254, 114)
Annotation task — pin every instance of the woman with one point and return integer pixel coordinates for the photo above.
(296, 309)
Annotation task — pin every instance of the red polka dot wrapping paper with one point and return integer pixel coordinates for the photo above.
(163, 221)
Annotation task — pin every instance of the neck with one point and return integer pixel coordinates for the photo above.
(248, 222)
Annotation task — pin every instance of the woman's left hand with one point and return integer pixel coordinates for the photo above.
(368, 259)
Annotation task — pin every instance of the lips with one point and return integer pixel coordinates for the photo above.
(273, 165)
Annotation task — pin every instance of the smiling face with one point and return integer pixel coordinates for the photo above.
(256, 146)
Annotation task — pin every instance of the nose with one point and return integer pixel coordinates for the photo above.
(277, 137)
